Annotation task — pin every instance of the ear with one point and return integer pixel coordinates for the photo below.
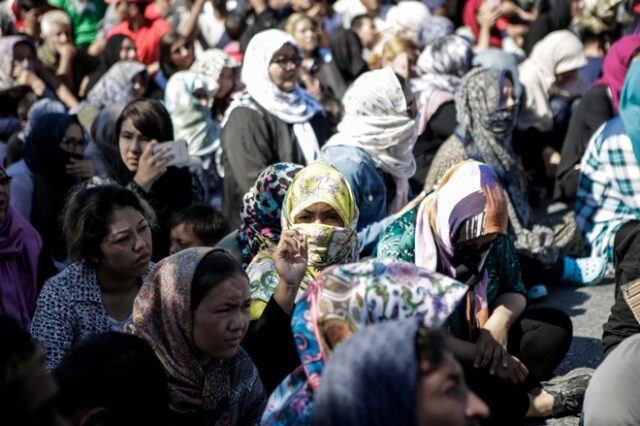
(96, 416)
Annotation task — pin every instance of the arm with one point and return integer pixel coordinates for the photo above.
(189, 28)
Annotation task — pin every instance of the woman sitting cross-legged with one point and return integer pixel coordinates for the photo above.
(460, 230)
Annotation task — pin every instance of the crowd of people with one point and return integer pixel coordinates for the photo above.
(315, 212)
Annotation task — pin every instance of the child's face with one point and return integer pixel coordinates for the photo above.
(182, 238)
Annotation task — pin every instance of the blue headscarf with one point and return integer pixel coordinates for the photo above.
(630, 106)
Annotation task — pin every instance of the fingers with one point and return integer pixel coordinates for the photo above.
(496, 358)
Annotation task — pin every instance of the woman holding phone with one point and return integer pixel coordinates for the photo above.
(146, 170)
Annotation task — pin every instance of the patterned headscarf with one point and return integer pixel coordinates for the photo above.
(441, 66)
(469, 193)
(162, 316)
(341, 301)
(7, 43)
(327, 245)
(210, 65)
(116, 86)
(262, 210)
(376, 121)
(616, 64)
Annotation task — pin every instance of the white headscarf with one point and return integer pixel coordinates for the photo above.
(560, 51)
(407, 19)
(210, 64)
(295, 107)
(375, 120)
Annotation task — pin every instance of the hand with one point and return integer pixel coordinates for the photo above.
(83, 169)
(67, 50)
(291, 258)
(491, 346)
(152, 166)
(487, 16)
(515, 372)
(26, 77)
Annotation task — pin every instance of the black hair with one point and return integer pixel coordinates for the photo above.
(358, 21)
(87, 215)
(150, 117)
(235, 24)
(164, 51)
(215, 267)
(27, 5)
(206, 223)
(432, 346)
(25, 104)
(117, 371)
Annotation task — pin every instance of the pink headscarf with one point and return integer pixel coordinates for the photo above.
(20, 248)
(616, 64)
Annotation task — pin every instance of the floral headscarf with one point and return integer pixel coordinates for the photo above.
(341, 301)
(262, 210)
(469, 201)
(7, 44)
(116, 86)
(327, 245)
(162, 316)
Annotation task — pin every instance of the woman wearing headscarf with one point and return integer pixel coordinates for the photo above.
(441, 66)
(551, 71)
(460, 230)
(103, 147)
(194, 311)
(287, 124)
(396, 372)
(319, 218)
(261, 214)
(607, 206)
(373, 148)
(52, 165)
(221, 71)
(340, 302)
(599, 104)
(487, 113)
(118, 48)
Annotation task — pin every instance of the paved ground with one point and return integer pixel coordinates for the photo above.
(589, 308)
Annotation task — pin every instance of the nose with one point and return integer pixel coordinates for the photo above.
(140, 244)
(63, 38)
(475, 408)
(238, 321)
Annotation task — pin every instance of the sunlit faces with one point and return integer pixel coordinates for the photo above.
(182, 237)
(306, 35)
(73, 140)
(60, 34)
(126, 249)
(131, 144)
(221, 319)
(284, 68)
(320, 213)
(443, 398)
(128, 50)
(181, 54)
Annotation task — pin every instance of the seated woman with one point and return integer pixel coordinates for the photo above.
(486, 116)
(52, 164)
(109, 238)
(287, 124)
(599, 104)
(211, 378)
(373, 149)
(319, 73)
(118, 48)
(441, 66)
(319, 218)
(261, 214)
(399, 53)
(23, 267)
(550, 71)
(221, 70)
(141, 126)
(340, 302)
(396, 372)
(176, 54)
(460, 230)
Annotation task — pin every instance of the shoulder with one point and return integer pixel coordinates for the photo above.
(243, 372)
(72, 283)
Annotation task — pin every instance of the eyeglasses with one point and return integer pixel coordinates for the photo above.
(5, 180)
(285, 60)
(72, 142)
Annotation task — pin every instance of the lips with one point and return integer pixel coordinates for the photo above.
(145, 258)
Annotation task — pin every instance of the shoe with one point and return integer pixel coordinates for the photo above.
(568, 391)
(583, 270)
(538, 291)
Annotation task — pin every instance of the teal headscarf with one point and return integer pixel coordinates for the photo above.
(630, 106)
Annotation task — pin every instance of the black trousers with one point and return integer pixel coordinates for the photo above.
(540, 339)
(626, 260)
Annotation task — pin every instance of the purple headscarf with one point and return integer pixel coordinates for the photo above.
(616, 64)
(20, 247)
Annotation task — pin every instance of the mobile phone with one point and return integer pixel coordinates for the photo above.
(179, 151)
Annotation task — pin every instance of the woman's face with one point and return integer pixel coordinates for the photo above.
(508, 94)
(306, 36)
(404, 64)
(226, 82)
(128, 50)
(73, 140)
(139, 85)
(22, 57)
(221, 319)
(320, 213)
(5, 193)
(131, 144)
(126, 249)
(284, 69)
(181, 54)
